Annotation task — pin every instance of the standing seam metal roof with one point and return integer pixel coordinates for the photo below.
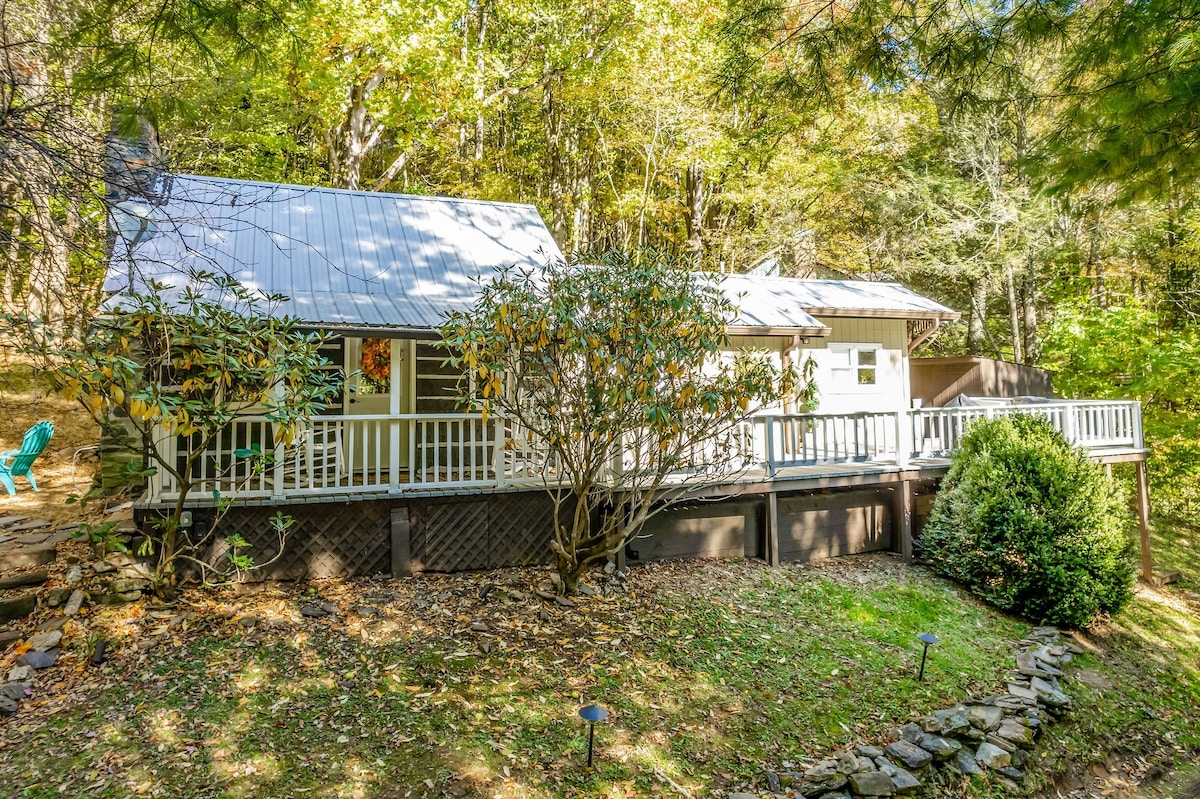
(342, 258)
(358, 259)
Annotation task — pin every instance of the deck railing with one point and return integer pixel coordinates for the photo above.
(410, 452)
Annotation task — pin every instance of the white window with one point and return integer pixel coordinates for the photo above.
(854, 366)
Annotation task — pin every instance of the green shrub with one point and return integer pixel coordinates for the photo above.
(1032, 526)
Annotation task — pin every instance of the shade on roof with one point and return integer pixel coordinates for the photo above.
(766, 296)
(357, 260)
(344, 259)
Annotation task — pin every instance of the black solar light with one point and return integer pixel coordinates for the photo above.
(591, 714)
(929, 639)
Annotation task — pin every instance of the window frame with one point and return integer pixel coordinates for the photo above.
(847, 377)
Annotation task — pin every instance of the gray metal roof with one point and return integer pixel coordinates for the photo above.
(359, 260)
(769, 298)
(342, 258)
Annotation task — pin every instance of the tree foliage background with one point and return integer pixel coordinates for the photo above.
(1016, 161)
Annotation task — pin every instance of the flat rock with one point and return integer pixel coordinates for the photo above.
(123, 585)
(1003, 743)
(904, 781)
(12, 559)
(37, 659)
(52, 624)
(103, 567)
(1030, 666)
(57, 596)
(16, 691)
(941, 748)
(1017, 733)
(867, 750)
(36, 577)
(886, 766)
(1011, 773)
(871, 783)
(8, 636)
(992, 756)
(967, 763)
(911, 732)
(17, 607)
(9, 521)
(952, 721)
(74, 603)
(21, 673)
(74, 575)
(985, 717)
(8, 706)
(909, 754)
(29, 524)
(1022, 691)
(1049, 694)
(314, 611)
(847, 762)
(480, 627)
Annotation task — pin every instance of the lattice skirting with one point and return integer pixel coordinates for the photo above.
(490, 532)
(356, 538)
(326, 540)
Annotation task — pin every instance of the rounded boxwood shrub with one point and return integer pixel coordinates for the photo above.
(1031, 525)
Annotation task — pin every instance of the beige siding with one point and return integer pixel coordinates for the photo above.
(839, 395)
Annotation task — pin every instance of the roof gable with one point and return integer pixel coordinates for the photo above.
(343, 258)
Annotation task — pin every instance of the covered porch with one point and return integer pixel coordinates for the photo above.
(349, 454)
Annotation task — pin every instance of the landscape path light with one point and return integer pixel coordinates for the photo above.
(929, 639)
(591, 714)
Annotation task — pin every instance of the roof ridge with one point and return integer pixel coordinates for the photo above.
(352, 192)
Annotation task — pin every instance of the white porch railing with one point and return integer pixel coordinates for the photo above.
(375, 454)
(1091, 424)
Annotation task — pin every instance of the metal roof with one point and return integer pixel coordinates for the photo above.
(769, 297)
(367, 260)
(343, 259)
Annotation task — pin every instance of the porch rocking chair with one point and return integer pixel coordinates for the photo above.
(19, 462)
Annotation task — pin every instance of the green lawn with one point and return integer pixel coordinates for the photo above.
(710, 670)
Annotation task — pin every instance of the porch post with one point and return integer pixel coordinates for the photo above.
(902, 522)
(904, 437)
(397, 364)
(772, 538)
(1143, 511)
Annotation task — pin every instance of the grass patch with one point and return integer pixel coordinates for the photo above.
(709, 670)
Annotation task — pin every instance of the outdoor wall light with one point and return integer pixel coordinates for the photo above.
(928, 639)
(591, 714)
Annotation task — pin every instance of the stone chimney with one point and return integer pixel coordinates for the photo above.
(133, 161)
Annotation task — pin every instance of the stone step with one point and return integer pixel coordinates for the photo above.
(26, 578)
(9, 521)
(24, 557)
(17, 607)
(32, 524)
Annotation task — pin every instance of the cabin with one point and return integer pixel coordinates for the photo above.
(395, 479)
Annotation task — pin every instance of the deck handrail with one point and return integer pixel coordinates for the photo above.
(349, 453)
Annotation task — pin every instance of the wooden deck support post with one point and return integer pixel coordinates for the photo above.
(401, 536)
(902, 520)
(772, 542)
(1143, 511)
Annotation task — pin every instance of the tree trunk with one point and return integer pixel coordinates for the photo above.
(977, 317)
(354, 136)
(1014, 314)
(694, 213)
(552, 123)
(1033, 347)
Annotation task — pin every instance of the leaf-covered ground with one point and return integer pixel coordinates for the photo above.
(710, 670)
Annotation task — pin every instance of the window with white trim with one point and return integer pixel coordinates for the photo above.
(854, 366)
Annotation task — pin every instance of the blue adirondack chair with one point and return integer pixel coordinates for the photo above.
(18, 462)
